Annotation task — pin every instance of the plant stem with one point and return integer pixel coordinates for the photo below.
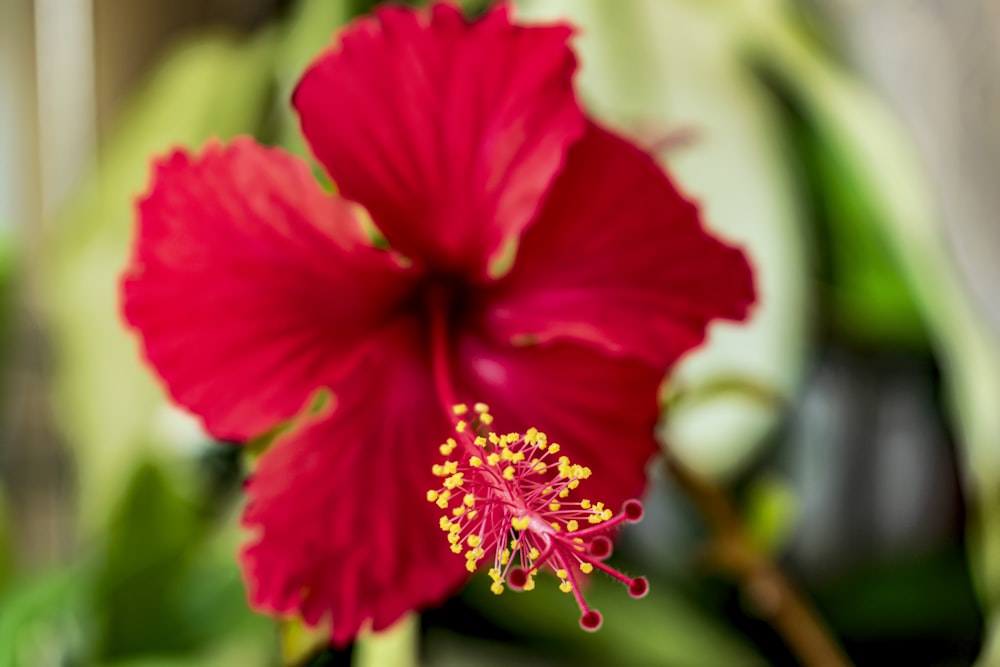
(772, 594)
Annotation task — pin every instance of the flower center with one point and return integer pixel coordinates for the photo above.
(509, 494)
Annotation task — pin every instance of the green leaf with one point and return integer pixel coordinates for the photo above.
(874, 148)
(660, 629)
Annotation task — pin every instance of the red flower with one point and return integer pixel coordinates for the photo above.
(538, 262)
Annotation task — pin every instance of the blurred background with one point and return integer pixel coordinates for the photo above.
(852, 146)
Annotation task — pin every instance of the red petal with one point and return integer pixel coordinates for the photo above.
(345, 531)
(249, 286)
(448, 132)
(602, 410)
(619, 259)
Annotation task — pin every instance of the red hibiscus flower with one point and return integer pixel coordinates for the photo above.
(525, 256)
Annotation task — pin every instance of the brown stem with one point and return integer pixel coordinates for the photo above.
(770, 591)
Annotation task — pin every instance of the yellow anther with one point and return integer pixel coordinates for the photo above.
(458, 511)
(556, 526)
(534, 554)
(518, 457)
(469, 500)
(472, 514)
(494, 438)
(504, 556)
(486, 418)
(454, 538)
(454, 527)
(520, 523)
(573, 484)
(481, 408)
(531, 435)
(513, 437)
(564, 493)
(547, 490)
(554, 449)
(506, 454)
(508, 473)
(450, 467)
(460, 426)
(480, 441)
(561, 573)
(493, 459)
(585, 504)
(539, 466)
(554, 506)
(563, 460)
(566, 587)
(470, 565)
(432, 496)
(445, 523)
(475, 461)
(572, 525)
(460, 408)
(456, 548)
(454, 481)
(496, 587)
(448, 447)
(443, 498)
(529, 585)
(473, 540)
(606, 515)
(586, 568)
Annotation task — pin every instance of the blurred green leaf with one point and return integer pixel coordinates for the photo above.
(872, 147)
(660, 629)
(38, 620)
(771, 512)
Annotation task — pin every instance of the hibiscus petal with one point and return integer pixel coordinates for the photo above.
(619, 259)
(249, 286)
(601, 409)
(449, 132)
(345, 532)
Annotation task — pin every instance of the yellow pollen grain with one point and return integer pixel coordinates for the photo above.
(469, 500)
(460, 426)
(586, 568)
(472, 514)
(529, 585)
(454, 539)
(556, 526)
(480, 441)
(481, 408)
(459, 408)
(572, 525)
(564, 493)
(473, 540)
(539, 466)
(554, 506)
(470, 565)
(566, 587)
(456, 548)
(561, 573)
(445, 523)
(458, 511)
(486, 418)
(493, 438)
(505, 556)
(475, 462)
(496, 587)
(554, 449)
(508, 473)
(493, 459)
(534, 554)
(432, 496)
(585, 504)
(520, 523)
(448, 447)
